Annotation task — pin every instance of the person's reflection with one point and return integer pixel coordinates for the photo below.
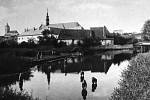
(65, 65)
(84, 93)
(21, 81)
(82, 76)
(48, 76)
(94, 84)
(84, 84)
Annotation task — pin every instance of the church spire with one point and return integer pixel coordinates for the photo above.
(47, 19)
(7, 28)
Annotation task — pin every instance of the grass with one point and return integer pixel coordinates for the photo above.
(10, 94)
(135, 83)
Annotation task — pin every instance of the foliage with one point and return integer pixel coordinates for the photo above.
(29, 44)
(122, 40)
(10, 94)
(8, 43)
(146, 31)
(135, 84)
(47, 39)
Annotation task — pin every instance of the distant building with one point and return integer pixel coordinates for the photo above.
(10, 34)
(138, 36)
(118, 31)
(102, 33)
(71, 36)
(59, 31)
(55, 28)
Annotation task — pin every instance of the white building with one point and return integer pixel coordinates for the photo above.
(54, 28)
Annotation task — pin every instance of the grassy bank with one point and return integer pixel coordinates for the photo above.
(135, 83)
(10, 94)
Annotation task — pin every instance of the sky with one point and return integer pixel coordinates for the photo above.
(128, 15)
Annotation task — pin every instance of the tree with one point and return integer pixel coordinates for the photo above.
(146, 31)
(48, 39)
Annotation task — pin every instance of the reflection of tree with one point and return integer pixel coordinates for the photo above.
(121, 57)
(77, 64)
(46, 68)
(13, 78)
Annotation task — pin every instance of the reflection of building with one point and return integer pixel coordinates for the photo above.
(97, 63)
(107, 57)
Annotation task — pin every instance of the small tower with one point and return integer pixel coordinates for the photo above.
(7, 29)
(47, 19)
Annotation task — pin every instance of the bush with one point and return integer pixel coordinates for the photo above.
(135, 84)
(10, 94)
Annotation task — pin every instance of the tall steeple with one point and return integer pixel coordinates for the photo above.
(47, 19)
(7, 28)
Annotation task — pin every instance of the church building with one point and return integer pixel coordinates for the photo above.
(73, 28)
(10, 33)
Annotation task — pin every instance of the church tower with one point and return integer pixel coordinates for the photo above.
(7, 29)
(47, 19)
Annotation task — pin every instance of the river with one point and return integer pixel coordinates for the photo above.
(62, 80)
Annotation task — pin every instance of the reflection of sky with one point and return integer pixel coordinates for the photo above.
(69, 87)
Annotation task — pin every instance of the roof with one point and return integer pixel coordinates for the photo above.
(70, 25)
(31, 32)
(56, 28)
(68, 34)
(12, 33)
(100, 32)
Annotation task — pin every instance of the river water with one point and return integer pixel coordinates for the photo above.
(61, 80)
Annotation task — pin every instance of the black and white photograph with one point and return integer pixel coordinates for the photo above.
(74, 49)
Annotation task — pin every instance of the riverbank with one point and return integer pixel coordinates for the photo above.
(10, 94)
(135, 83)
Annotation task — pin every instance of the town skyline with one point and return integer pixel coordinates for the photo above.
(115, 14)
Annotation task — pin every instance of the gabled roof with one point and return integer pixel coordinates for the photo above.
(70, 25)
(56, 28)
(31, 32)
(101, 32)
(12, 33)
(69, 34)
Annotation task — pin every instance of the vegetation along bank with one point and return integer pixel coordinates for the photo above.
(135, 83)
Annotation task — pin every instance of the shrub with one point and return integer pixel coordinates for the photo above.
(10, 94)
(135, 84)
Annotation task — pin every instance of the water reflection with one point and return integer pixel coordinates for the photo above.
(94, 84)
(79, 64)
(51, 79)
(21, 81)
(9, 79)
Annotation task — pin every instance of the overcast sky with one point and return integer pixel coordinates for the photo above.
(128, 15)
